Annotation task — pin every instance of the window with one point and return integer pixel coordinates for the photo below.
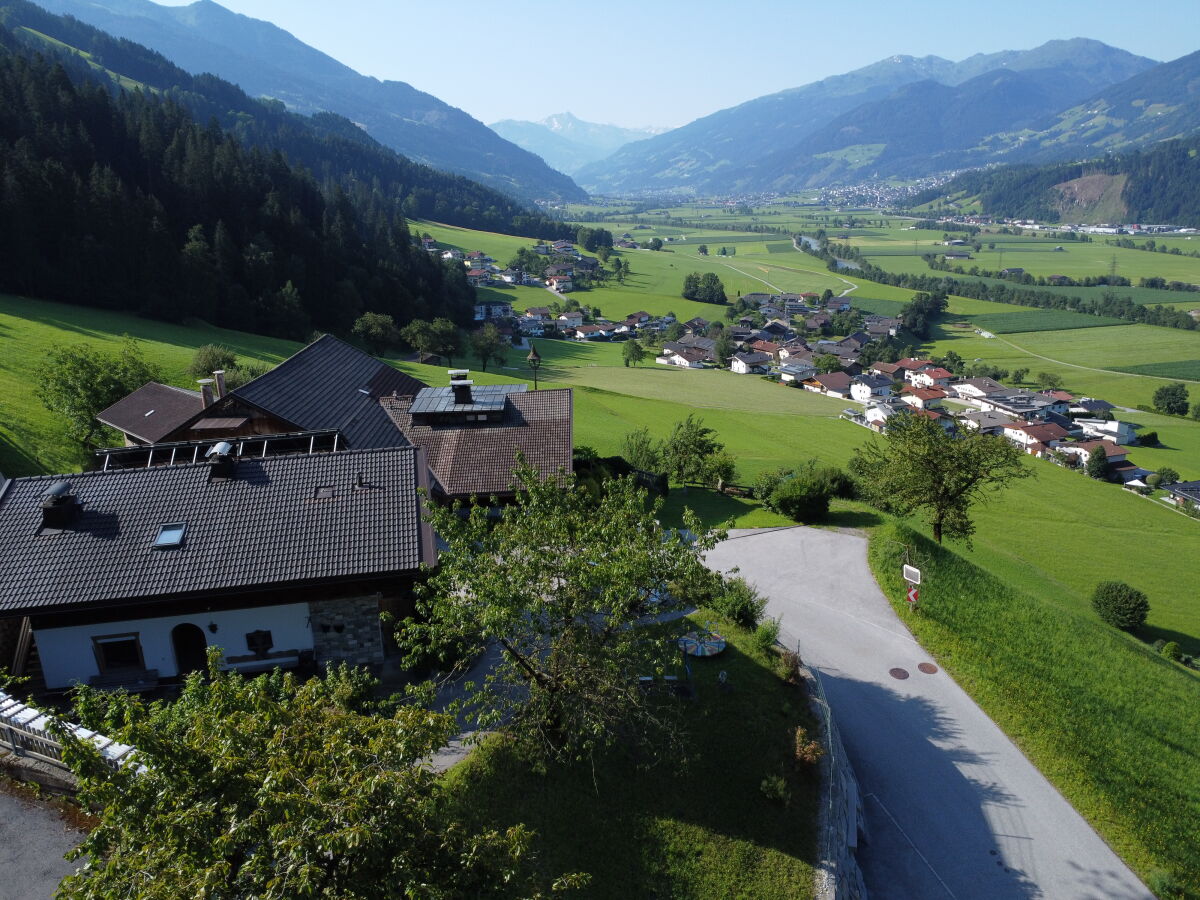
(170, 536)
(117, 652)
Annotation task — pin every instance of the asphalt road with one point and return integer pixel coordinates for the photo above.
(953, 808)
(33, 840)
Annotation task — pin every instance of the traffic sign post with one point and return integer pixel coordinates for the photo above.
(912, 596)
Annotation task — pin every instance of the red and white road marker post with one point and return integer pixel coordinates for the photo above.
(913, 576)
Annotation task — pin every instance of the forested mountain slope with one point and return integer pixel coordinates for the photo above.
(121, 199)
(1160, 185)
(267, 61)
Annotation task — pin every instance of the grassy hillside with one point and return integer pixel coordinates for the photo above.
(31, 440)
(1114, 726)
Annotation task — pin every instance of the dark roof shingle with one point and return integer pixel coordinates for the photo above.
(264, 527)
(152, 411)
(332, 385)
(479, 459)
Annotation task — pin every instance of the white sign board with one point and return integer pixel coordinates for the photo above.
(912, 574)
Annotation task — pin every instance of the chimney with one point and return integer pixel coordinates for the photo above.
(206, 391)
(219, 377)
(60, 508)
(461, 386)
(223, 464)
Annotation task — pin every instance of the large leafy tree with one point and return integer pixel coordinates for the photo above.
(692, 454)
(489, 344)
(919, 466)
(1172, 399)
(78, 381)
(275, 788)
(441, 337)
(558, 582)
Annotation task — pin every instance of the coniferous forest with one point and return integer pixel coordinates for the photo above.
(1163, 185)
(177, 196)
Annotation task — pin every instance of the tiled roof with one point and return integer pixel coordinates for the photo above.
(263, 527)
(330, 384)
(753, 359)
(479, 458)
(152, 411)
(834, 381)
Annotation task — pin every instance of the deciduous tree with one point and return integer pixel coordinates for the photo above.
(275, 788)
(489, 344)
(633, 353)
(78, 381)
(1172, 399)
(376, 330)
(558, 582)
(918, 466)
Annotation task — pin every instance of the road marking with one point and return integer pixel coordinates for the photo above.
(888, 813)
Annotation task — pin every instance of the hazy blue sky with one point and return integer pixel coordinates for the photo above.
(666, 62)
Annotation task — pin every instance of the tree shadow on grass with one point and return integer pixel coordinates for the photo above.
(852, 518)
(1188, 643)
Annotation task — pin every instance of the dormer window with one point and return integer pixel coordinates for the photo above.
(170, 536)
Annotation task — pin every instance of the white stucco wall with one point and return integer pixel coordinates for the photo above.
(67, 657)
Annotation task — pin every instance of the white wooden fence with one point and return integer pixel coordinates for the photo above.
(23, 730)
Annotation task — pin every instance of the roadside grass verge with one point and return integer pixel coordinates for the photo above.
(1115, 727)
(698, 830)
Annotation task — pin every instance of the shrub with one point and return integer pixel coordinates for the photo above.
(808, 752)
(1171, 650)
(243, 372)
(1153, 480)
(787, 666)
(211, 357)
(1120, 605)
(775, 789)
(766, 634)
(766, 483)
(836, 482)
(1148, 438)
(801, 499)
(740, 603)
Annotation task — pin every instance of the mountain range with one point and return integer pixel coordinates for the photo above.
(266, 61)
(567, 142)
(883, 119)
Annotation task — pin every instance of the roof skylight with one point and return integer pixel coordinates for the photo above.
(170, 535)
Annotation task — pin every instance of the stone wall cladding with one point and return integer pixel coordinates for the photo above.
(360, 640)
(841, 820)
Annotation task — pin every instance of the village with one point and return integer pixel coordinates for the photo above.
(789, 338)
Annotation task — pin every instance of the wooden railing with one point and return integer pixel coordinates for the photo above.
(24, 731)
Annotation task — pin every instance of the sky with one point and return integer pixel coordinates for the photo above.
(666, 62)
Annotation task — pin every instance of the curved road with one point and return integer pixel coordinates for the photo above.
(953, 808)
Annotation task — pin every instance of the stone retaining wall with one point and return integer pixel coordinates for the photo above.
(841, 820)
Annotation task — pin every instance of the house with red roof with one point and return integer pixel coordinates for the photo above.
(922, 398)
